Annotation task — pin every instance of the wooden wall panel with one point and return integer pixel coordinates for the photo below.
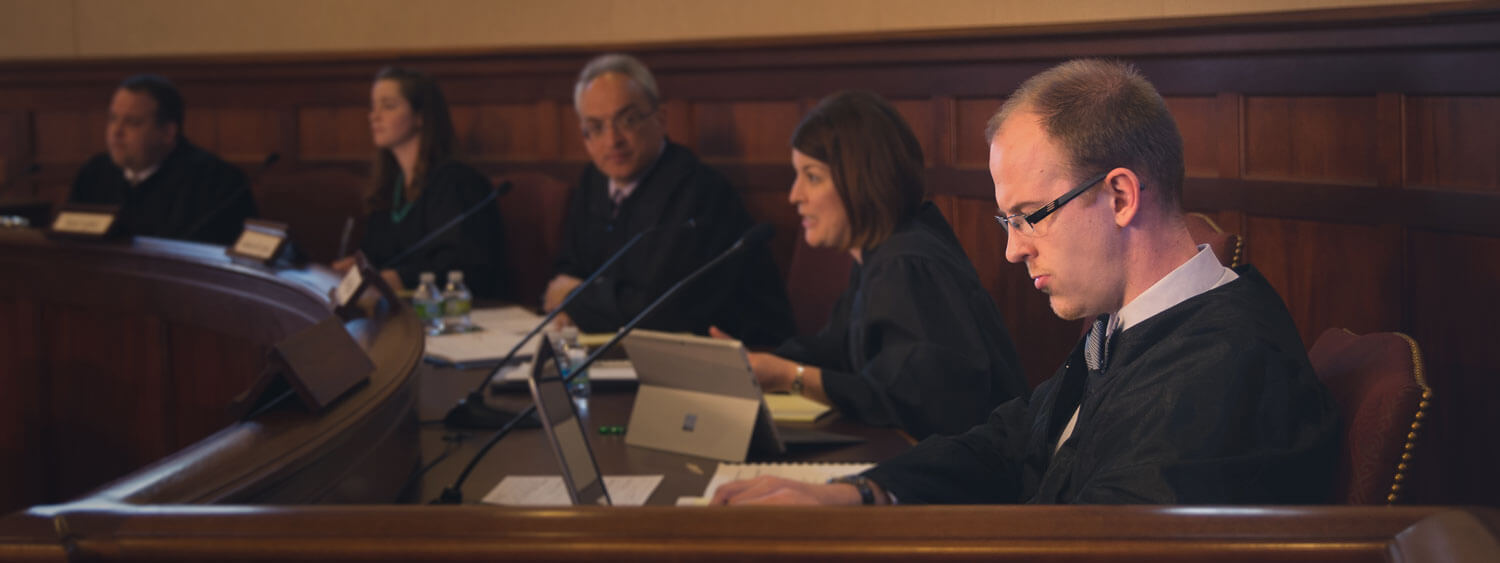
(68, 137)
(571, 141)
(1453, 142)
(1042, 339)
(103, 427)
(243, 136)
(334, 133)
(921, 117)
(749, 132)
(1331, 275)
(1453, 311)
(1312, 138)
(21, 407)
(971, 150)
(1196, 120)
(524, 132)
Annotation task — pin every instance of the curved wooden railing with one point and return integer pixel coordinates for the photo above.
(128, 354)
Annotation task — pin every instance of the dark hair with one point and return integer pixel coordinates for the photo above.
(874, 159)
(168, 99)
(435, 143)
(1104, 114)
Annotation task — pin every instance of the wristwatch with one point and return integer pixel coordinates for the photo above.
(797, 380)
(861, 484)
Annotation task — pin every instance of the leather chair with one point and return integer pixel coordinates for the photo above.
(315, 203)
(1229, 248)
(814, 282)
(1378, 383)
(533, 211)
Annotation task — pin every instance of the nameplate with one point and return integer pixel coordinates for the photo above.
(84, 222)
(258, 245)
(262, 243)
(361, 277)
(349, 287)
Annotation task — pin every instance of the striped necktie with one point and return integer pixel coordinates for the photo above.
(1095, 349)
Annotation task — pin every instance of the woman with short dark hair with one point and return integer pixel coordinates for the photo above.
(915, 341)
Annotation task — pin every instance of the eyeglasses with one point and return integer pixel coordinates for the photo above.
(627, 121)
(1025, 223)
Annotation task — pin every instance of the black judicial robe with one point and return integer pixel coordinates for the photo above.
(915, 341)
(193, 196)
(476, 246)
(744, 296)
(1210, 402)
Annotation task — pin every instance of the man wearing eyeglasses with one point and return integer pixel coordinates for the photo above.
(642, 182)
(1192, 385)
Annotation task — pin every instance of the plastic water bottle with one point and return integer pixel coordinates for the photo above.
(578, 386)
(428, 302)
(457, 301)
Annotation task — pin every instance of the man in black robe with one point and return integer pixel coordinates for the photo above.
(640, 182)
(163, 184)
(1192, 385)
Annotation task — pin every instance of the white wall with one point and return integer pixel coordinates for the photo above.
(63, 29)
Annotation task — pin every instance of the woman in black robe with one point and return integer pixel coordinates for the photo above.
(418, 187)
(915, 341)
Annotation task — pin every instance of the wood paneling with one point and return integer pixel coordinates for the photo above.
(208, 370)
(972, 150)
(334, 133)
(1453, 310)
(920, 116)
(752, 132)
(22, 407)
(68, 137)
(1331, 275)
(507, 131)
(1452, 142)
(245, 136)
(108, 399)
(1312, 139)
(1196, 121)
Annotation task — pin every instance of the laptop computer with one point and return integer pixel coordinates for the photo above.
(698, 396)
(565, 431)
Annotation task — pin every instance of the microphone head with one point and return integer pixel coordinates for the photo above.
(504, 187)
(758, 234)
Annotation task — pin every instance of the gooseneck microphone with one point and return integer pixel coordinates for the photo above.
(471, 412)
(207, 219)
(453, 494)
(454, 222)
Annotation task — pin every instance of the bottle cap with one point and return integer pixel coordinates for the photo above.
(455, 276)
(427, 277)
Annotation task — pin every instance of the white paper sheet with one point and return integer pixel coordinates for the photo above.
(548, 490)
(503, 328)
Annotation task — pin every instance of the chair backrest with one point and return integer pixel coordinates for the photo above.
(314, 203)
(1377, 380)
(1228, 247)
(533, 211)
(814, 282)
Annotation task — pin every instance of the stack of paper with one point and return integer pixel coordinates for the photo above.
(794, 408)
(502, 328)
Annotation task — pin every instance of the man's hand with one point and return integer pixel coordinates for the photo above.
(342, 265)
(557, 290)
(776, 490)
